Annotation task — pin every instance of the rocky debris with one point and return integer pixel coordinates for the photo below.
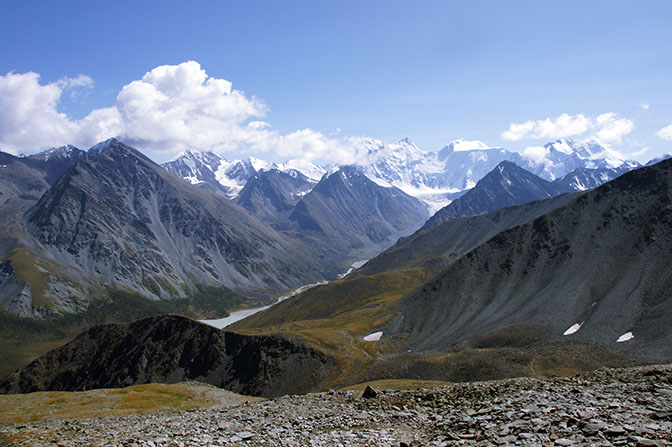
(605, 407)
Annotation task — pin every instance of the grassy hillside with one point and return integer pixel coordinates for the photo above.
(138, 399)
(335, 317)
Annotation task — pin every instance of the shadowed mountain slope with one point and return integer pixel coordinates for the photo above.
(437, 247)
(601, 260)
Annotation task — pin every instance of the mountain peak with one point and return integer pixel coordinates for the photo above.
(60, 152)
(110, 143)
(589, 153)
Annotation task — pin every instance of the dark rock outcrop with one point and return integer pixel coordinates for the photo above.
(171, 349)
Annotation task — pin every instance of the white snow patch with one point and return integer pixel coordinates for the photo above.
(353, 267)
(573, 329)
(310, 170)
(378, 181)
(461, 145)
(259, 164)
(375, 336)
(625, 337)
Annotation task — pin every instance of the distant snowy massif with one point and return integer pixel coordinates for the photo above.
(436, 178)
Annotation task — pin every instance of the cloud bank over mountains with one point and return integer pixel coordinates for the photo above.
(171, 108)
(175, 107)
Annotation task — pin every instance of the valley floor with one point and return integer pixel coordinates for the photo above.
(607, 407)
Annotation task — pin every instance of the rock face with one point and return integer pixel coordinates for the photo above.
(607, 407)
(601, 261)
(128, 223)
(171, 349)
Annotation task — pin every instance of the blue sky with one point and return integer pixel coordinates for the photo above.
(310, 75)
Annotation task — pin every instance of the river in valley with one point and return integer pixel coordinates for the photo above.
(243, 313)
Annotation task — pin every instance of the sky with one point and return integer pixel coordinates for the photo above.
(307, 79)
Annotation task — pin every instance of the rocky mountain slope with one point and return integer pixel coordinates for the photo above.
(352, 214)
(28, 177)
(128, 223)
(436, 247)
(509, 285)
(608, 407)
(115, 219)
(594, 269)
(580, 284)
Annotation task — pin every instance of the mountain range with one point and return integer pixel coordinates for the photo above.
(549, 287)
(98, 235)
(436, 178)
(79, 223)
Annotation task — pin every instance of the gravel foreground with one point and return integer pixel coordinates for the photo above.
(630, 406)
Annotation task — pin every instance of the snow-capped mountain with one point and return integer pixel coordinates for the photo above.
(198, 168)
(558, 158)
(653, 161)
(436, 178)
(56, 161)
(305, 167)
(214, 172)
(439, 177)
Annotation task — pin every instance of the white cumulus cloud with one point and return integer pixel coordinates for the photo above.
(610, 128)
(562, 127)
(171, 108)
(606, 129)
(177, 106)
(76, 86)
(665, 133)
(29, 118)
